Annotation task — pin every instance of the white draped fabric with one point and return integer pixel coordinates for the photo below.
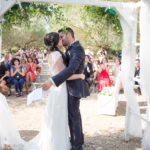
(7, 126)
(54, 133)
(145, 62)
(128, 18)
(108, 104)
(0, 40)
(5, 5)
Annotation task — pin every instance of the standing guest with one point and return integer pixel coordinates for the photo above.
(40, 56)
(6, 60)
(30, 74)
(21, 51)
(120, 55)
(36, 61)
(103, 77)
(9, 63)
(137, 76)
(27, 50)
(116, 69)
(89, 52)
(88, 71)
(96, 66)
(4, 79)
(2, 58)
(45, 52)
(17, 74)
(101, 55)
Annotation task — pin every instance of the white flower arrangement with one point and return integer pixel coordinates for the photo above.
(107, 91)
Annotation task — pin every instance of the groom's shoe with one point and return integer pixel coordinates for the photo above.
(80, 148)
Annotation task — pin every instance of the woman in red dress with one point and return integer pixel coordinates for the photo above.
(103, 77)
(30, 73)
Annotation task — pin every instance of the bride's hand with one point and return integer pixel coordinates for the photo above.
(82, 76)
(46, 86)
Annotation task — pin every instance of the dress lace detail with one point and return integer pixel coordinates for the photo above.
(56, 64)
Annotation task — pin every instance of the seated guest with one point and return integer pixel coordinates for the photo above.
(24, 65)
(30, 74)
(6, 60)
(40, 55)
(35, 60)
(24, 56)
(4, 79)
(17, 74)
(9, 63)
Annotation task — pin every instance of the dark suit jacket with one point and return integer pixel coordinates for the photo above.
(75, 57)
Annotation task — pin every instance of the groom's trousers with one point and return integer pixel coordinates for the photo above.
(75, 123)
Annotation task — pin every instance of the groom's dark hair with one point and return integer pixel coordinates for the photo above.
(66, 30)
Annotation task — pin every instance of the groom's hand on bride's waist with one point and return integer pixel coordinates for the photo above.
(47, 85)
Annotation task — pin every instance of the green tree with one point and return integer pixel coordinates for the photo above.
(103, 26)
(95, 27)
(16, 16)
(27, 27)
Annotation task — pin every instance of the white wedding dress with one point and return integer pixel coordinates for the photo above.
(54, 131)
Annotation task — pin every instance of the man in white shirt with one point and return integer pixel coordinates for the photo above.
(21, 51)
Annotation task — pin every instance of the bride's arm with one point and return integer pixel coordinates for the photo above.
(60, 67)
(77, 76)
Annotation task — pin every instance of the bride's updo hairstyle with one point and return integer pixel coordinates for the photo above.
(51, 41)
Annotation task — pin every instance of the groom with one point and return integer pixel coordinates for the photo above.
(77, 89)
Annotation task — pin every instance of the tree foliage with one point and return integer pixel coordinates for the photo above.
(94, 26)
(27, 26)
(24, 37)
(103, 25)
(16, 16)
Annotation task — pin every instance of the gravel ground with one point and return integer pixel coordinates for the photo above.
(102, 132)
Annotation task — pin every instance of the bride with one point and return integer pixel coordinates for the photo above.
(54, 131)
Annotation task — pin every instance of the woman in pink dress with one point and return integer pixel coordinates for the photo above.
(103, 77)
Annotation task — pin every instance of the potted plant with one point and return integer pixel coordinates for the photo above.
(106, 101)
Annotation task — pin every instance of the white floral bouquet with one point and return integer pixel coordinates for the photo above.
(107, 91)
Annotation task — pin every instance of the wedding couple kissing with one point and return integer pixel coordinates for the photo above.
(67, 86)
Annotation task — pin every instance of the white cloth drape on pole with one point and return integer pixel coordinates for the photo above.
(0, 40)
(128, 19)
(9, 133)
(5, 5)
(145, 63)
